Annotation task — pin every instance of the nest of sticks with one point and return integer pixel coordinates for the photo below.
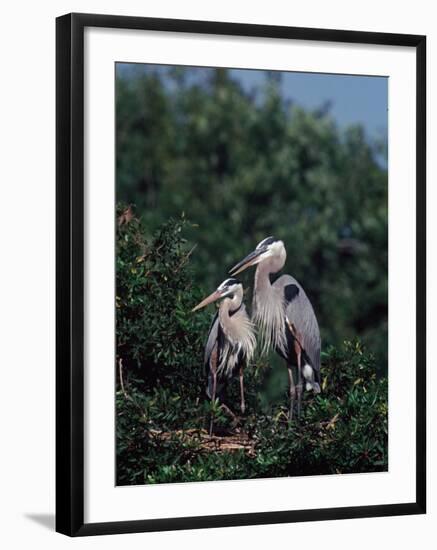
(238, 441)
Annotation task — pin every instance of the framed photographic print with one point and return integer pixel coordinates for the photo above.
(240, 274)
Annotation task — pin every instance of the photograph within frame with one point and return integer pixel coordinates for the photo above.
(236, 152)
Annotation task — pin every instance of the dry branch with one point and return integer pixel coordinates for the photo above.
(211, 443)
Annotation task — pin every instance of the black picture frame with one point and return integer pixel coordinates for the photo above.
(70, 273)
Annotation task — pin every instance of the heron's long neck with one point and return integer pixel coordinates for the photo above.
(268, 308)
(262, 278)
(227, 315)
(238, 330)
(230, 305)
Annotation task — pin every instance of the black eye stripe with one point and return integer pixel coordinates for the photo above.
(231, 281)
(266, 242)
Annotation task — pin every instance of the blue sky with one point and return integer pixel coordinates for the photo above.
(353, 99)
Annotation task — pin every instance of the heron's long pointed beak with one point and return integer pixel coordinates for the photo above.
(211, 298)
(251, 259)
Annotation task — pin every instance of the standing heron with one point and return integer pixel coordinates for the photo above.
(231, 340)
(285, 317)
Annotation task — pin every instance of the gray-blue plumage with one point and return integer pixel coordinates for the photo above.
(285, 316)
(231, 340)
(214, 349)
(300, 313)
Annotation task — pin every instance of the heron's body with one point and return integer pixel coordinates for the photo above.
(231, 340)
(285, 316)
(277, 308)
(230, 345)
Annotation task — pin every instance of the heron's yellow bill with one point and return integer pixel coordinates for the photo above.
(211, 298)
(251, 259)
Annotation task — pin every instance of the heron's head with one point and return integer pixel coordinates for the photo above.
(227, 289)
(268, 249)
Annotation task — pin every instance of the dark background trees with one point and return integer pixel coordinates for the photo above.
(243, 166)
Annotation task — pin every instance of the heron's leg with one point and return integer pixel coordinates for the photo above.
(242, 403)
(292, 391)
(214, 390)
(298, 351)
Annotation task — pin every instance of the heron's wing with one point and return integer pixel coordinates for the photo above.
(290, 292)
(212, 340)
(213, 350)
(300, 313)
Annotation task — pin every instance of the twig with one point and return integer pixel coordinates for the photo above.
(120, 374)
(185, 258)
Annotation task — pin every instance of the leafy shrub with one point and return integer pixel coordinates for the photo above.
(157, 336)
(162, 411)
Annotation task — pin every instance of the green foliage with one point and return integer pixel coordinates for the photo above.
(155, 330)
(244, 166)
(161, 407)
(343, 430)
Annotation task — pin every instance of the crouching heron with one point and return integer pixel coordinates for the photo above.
(231, 340)
(285, 317)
